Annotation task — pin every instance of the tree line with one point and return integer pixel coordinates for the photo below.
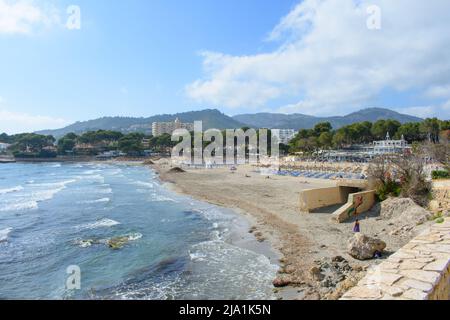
(89, 143)
(322, 136)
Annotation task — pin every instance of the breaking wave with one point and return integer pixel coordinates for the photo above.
(11, 190)
(103, 223)
(4, 234)
(102, 200)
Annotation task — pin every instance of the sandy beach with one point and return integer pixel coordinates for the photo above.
(301, 239)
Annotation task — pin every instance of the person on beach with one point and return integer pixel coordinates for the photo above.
(356, 228)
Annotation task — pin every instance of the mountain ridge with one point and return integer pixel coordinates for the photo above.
(213, 118)
(301, 121)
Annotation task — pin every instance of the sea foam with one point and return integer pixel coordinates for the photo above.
(10, 190)
(102, 200)
(4, 234)
(103, 223)
(20, 206)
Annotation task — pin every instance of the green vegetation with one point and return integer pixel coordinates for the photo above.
(67, 143)
(322, 136)
(402, 175)
(388, 189)
(131, 144)
(440, 174)
(31, 145)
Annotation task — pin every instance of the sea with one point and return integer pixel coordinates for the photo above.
(58, 221)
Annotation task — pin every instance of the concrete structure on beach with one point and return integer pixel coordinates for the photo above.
(160, 128)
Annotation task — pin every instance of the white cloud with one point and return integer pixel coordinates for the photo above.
(17, 122)
(442, 91)
(330, 61)
(420, 111)
(26, 16)
(441, 111)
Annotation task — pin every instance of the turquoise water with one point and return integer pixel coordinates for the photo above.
(178, 248)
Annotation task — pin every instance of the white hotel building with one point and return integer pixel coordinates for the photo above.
(160, 128)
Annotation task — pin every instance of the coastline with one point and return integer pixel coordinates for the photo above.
(278, 241)
(270, 224)
(240, 235)
(182, 239)
(302, 241)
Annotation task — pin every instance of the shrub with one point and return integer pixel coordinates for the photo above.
(439, 220)
(388, 189)
(440, 174)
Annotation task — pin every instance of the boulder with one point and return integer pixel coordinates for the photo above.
(176, 170)
(282, 281)
(316, 274)
(149, 162)
(362, 247)
(403, 211)
(118, 242)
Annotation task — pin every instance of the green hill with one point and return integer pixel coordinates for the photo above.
(301, 121)
(211, 119)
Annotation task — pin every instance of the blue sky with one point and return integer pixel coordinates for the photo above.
(146, 57)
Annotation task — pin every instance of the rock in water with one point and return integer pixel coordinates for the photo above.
(118, 243)
(362, 247)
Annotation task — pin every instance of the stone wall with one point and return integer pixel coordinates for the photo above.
(418, 271)
(357, 203)
(441, 197)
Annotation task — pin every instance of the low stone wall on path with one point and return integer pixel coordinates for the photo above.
(418, 271)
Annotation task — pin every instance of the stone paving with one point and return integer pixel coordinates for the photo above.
(418, 271)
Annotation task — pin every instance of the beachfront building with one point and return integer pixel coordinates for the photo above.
(284, 135)
(160, 128)
(388, 146)
(364, 153)
(4, 146)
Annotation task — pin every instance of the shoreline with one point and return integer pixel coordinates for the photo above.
(295, 242)
(277, 249)
(239, 234)
(303, 241)
(230, 233)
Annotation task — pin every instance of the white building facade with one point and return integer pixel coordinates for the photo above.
(160, 128)
(4, 146)
(390, 146)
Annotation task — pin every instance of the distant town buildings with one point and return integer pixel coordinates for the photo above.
(284, 135)
(160, 128)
